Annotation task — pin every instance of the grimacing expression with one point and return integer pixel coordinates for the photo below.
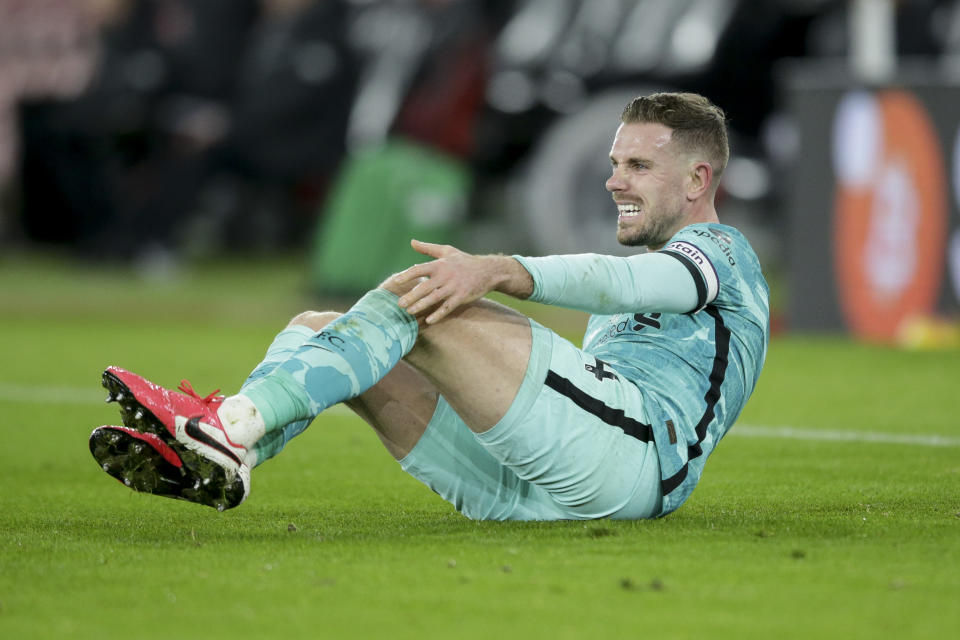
(648, 184)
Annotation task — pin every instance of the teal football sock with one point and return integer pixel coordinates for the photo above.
(346, 358)
(283, 346)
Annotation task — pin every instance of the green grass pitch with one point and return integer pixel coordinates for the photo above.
(846, 525)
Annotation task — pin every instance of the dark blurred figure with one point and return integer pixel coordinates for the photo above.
(425, 70)
(86, 163)
(82, 157)
(250, 176)
(48, 50)
(443, 105)
(236, 98)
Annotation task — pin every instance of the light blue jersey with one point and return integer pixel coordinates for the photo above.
(699, 368)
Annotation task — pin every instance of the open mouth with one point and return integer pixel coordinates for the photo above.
(629, 210)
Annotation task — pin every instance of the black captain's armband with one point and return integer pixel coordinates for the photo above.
(700, 268)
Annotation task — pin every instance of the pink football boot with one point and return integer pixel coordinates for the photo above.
(186, 424)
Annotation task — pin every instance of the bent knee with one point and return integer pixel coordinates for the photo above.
(315, 320)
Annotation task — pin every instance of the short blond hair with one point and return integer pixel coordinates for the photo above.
(698, 125)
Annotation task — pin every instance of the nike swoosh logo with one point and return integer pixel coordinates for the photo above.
(192, 429)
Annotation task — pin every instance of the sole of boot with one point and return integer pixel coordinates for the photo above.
(138, 465)
(208, 483)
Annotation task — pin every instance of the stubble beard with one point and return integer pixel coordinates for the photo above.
(653, 231)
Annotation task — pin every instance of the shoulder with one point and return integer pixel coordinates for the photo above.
(723, 258)
(713, 237)
(725, 247)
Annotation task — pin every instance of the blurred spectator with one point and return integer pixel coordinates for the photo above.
(248, 172)
(231, 97)
(426, 69)
(289, 117)
(87, 162)
(47, 50)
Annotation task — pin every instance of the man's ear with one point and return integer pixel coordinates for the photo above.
(701, 178)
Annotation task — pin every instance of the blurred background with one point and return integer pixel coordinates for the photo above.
(151, 134)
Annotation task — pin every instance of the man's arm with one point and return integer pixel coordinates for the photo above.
(456, 278)
(659, 281)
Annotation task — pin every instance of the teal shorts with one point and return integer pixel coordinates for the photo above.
(574, 445)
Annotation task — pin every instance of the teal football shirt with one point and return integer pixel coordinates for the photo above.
(696, 368)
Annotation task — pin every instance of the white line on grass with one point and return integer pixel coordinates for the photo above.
(36, 394)
(794, 433)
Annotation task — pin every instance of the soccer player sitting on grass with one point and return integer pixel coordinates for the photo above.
(499, 415)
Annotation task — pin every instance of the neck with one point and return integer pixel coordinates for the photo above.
(701, 211)
(696, 215)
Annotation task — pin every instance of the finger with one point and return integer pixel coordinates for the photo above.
(430, 249)
(422, 270)
(431, 299)
(410, 297)
(424, 288)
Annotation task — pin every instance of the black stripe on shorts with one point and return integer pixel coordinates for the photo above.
(634, 428)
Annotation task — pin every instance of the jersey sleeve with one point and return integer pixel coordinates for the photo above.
(602, 284)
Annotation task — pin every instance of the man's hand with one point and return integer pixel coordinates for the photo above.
(456, 278)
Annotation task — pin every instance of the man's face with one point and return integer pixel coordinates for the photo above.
(648, 184)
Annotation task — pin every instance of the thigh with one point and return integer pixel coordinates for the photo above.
(477, 358)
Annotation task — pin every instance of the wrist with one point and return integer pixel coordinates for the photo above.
(511, 277)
